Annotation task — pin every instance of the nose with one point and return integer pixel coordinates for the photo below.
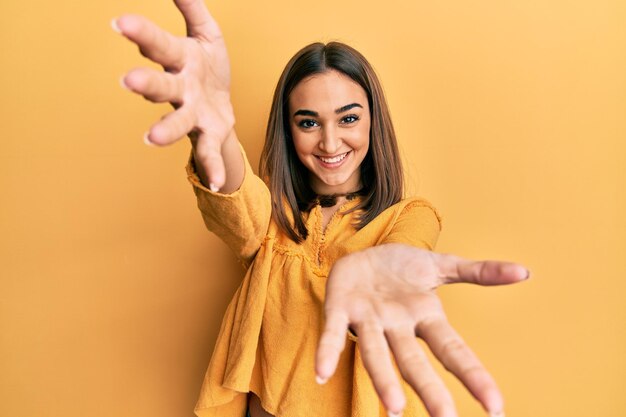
(330, 141)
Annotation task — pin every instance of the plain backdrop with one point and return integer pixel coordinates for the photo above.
(510, 116)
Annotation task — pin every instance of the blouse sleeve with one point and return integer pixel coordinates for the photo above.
(241, 218)
(418, 224)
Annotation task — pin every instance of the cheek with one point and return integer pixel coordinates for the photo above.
(302, 147)
(362, 137)
(297, 143)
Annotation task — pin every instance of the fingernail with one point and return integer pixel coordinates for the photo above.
(392, 414)
(527, 274)
(146, 140)
(213, 187)
(123, 83)
(115, 26)
(497, 414)
(320, 380)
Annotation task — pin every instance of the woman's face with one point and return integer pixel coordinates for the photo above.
(329, 117)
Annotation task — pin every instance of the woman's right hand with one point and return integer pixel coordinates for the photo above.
(196, 81)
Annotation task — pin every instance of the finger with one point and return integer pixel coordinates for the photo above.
(172, 127)
(198, 19)
(377, 361)
(208, 152)
(455, 269)
(154, 43)
(331, 344)
(153, 85)
(458, 358)
(419, 373)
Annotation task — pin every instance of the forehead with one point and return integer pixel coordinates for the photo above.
(325, 92)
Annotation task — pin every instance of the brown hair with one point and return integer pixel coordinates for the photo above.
(381, 170)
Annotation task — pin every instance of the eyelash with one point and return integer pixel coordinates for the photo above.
(305, 123)
(350, 116)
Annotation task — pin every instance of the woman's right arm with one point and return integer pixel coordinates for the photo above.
(196, 81)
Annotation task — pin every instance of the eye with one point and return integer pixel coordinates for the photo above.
(349, 119)
(307, 123)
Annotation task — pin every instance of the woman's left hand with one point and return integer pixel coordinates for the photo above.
(386, 294)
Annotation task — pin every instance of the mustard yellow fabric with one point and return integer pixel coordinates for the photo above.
(271, 328)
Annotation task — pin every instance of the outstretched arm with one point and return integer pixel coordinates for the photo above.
(387, 295)
(196, 81)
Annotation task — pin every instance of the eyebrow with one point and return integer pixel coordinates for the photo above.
(305, 112)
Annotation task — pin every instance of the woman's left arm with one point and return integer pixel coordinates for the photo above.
(387, 295)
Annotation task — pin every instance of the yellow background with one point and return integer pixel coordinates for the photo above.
(511, 118)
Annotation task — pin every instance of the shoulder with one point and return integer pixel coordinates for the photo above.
(413, 221)
(420, 207)
(414, 208)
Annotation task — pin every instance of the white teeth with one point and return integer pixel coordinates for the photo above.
(334, 160)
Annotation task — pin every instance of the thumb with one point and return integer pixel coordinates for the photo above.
(208, 154)
(454, 269)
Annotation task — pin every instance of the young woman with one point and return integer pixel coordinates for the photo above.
(335, 187)
(333, 199)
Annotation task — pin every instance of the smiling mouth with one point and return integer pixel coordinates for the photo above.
(334, 159)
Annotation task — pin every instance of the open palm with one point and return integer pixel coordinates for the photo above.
(386, 294)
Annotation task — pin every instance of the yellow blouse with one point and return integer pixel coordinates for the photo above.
(270, 331)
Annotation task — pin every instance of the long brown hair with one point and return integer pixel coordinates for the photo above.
(381, 170)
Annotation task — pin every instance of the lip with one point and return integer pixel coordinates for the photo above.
(336, 164)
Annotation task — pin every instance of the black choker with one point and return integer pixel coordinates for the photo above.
(331, 200)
